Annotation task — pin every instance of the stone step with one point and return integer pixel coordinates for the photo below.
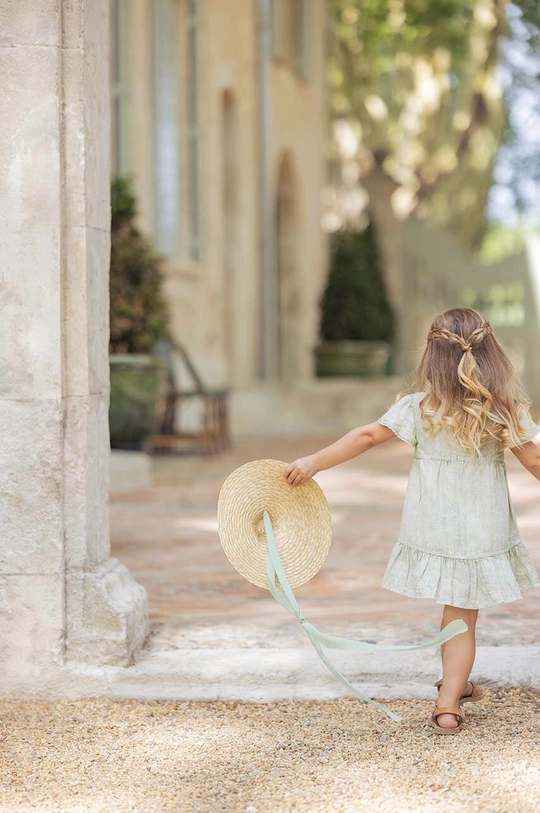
(262, 675)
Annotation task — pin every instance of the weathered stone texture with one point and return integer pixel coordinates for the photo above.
(30, 22)
(54, 390)
(30, 157)
(31, 538)
(107, 615)
(86, 311)
(31, 627)
(30, 357)
(86, 478)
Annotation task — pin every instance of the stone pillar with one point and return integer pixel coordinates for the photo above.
(62, 598)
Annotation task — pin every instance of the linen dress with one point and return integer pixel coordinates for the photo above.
(458, 541)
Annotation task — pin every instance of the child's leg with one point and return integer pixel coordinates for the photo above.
(457, 661)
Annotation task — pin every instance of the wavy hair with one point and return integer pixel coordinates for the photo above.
(470, 383)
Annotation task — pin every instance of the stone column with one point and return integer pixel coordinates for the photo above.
(62, 598)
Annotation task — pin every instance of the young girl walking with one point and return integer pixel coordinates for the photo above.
(458, 542)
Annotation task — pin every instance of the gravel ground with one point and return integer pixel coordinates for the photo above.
(98, 755)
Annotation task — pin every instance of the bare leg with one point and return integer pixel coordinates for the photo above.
(457, 661)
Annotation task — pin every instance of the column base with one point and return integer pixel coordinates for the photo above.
(107, 615)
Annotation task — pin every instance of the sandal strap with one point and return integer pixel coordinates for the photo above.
(455, 710)
(475, 690)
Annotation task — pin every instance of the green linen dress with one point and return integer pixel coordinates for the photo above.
(458, 542)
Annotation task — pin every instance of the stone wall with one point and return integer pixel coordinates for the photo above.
(438, 275)
(319, 407)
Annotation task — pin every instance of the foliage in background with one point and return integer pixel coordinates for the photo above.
(138, 311)
(354, 305)
(502, 241)
(418, 110)
(515, 195)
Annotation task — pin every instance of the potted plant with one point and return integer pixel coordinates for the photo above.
(138, 319)
(356, 319)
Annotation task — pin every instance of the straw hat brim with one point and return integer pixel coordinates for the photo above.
(300, 519)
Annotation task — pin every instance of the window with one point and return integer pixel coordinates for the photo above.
(193, 131)
(305, 46)
(177, 129)
(119, 73)
(278, 28)
(166, 125)
(291, 34)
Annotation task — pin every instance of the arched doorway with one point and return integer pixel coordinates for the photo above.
(229, 201)
(288, 289)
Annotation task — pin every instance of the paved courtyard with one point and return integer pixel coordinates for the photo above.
(168, 538)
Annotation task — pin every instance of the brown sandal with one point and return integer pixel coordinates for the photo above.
(476, 694)
(455, 710)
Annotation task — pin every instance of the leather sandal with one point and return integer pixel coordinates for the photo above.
(476, 694)
(457, 711)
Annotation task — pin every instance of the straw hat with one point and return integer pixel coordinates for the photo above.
(300, 518)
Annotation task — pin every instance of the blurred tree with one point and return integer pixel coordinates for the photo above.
(515, 195)
(501, 241)
(418, 114)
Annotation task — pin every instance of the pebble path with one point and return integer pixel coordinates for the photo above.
(101, 756)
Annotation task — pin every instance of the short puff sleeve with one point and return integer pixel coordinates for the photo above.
(529, 426)
(400, 419)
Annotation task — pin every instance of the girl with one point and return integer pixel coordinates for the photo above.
(458, 542)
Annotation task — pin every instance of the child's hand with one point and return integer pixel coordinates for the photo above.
(301, 470)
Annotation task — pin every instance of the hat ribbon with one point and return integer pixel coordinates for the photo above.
(287, 600)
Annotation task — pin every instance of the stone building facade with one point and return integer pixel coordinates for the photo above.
(219, 113)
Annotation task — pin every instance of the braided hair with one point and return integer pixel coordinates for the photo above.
(469, 382)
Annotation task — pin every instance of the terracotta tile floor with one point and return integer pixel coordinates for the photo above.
(168, 538)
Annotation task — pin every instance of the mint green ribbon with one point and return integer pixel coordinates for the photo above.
(287, 599)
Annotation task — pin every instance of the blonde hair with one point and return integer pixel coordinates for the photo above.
(470, 383)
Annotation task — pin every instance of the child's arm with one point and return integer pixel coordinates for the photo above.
(529, 456)
(354, 443)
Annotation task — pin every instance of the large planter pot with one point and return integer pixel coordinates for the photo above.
(137, 389)
(352, 358)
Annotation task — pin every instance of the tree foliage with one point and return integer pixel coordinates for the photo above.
(354, 305)
(138, 311)
(416, 97)
(516, 192)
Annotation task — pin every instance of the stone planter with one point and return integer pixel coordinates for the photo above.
(137, 389)
(352, 358)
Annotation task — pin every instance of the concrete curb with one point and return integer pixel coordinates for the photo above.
(262, 674)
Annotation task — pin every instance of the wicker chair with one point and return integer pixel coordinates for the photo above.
(194, 415)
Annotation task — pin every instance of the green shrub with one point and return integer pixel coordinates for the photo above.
(354, 305)
(138, 310)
